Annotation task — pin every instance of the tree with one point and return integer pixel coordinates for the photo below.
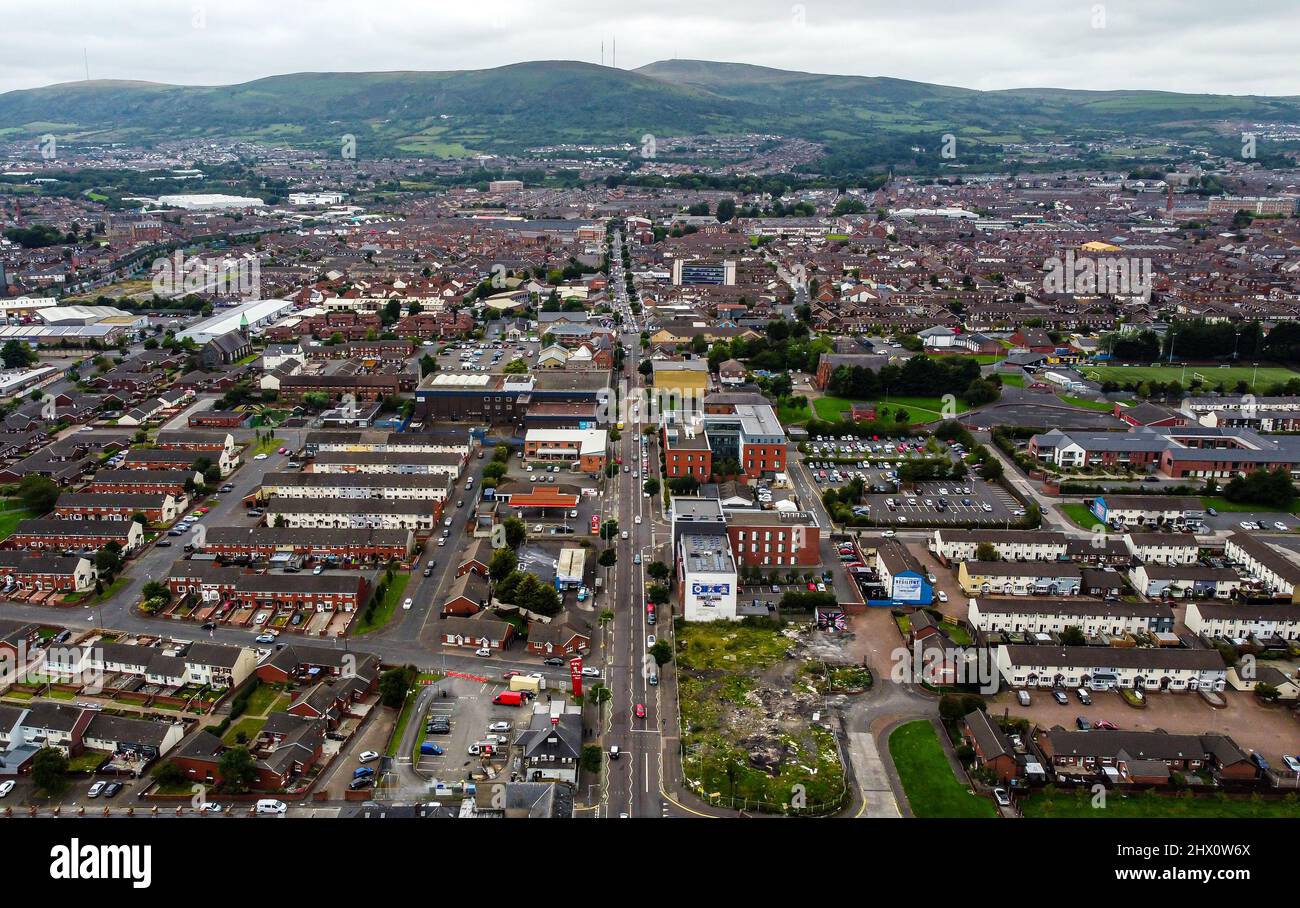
(609, 530)
(651, 486)
(1073, 635)
(504, 562)
(49, 767)
(992, 469)
(168, 774)
(156, 589)
(986, 551)
(236, 769)
(516, 532)
(608, 557)
(657, 594)
(662, 652)
(17, 355)
(108, 560)
(395, 684)
(38, 493)
(658, 571)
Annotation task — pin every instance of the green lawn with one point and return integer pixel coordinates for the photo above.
(932, 788)
(919, 409)
(1012, 381)
(1203, 806)
(265, 446)
(1213, 375)
(11, 511)
(89, 598)
(264, 699)
(1080, 514)
(1239, 507)
(399, 728)
(393, 597)
(984, 359)
(249, 725)
(1100, 406)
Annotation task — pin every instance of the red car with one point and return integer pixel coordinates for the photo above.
(510, 674)
(283, 451)
(640, 711)
(812, 587)
(1110, 726)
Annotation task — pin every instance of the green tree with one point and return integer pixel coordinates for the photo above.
(108, 560)
(49, 768)
(395, 684)
(504, 562)
(608, 557)
(658, 571)
(662, 652)
(38, 493)
(236, 770)
(516, 532)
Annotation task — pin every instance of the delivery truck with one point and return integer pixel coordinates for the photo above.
(530, 683)
(509, 697)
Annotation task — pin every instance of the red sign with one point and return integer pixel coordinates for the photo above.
(575, 674)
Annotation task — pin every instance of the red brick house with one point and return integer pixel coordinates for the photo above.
(992, 748)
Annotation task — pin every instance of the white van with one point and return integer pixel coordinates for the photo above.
(1022, 696)
(269, 805)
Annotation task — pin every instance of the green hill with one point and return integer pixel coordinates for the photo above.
(863, 120)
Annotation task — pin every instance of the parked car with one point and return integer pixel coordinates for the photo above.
(96, 789)
(1000, 795)
(1061, 698)
(367, 756)
(483, 651)
(1083, 724)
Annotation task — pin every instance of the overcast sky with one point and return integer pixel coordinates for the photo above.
(1220, 46)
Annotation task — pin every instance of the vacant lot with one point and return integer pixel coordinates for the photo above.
(932, 788)
(747, 735)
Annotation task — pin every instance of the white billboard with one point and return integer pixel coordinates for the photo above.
(907, 589)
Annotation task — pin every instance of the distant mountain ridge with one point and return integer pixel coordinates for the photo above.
(509, 108)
